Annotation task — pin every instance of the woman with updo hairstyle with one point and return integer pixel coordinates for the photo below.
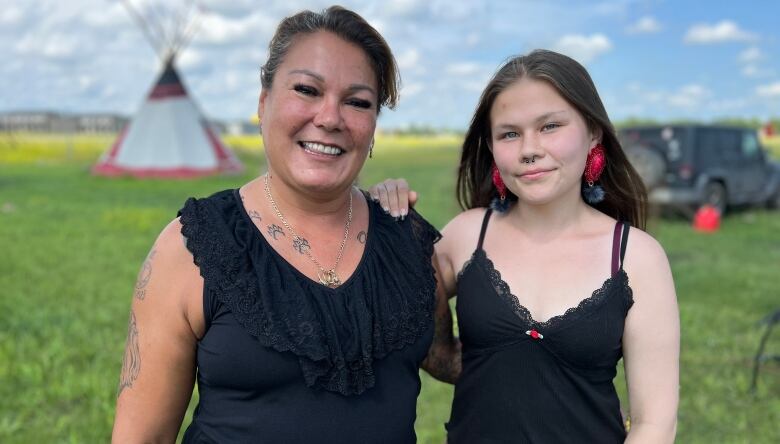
(302, 309)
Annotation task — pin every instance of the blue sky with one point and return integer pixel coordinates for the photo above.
(651, 59)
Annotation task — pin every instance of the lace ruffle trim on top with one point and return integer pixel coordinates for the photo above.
(386, 305)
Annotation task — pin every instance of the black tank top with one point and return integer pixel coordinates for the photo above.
(287, 360)
(525, 381)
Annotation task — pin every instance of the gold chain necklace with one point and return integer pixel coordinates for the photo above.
(328, 278)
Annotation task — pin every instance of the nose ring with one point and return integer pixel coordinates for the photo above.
(532, 159)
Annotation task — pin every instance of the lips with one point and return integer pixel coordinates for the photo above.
(534, 174)
(320, 148)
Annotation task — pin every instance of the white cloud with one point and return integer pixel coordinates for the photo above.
(11, 15)
(190, 58)
(771, 90)
(54, 46)
(723, 31)
(217, 29)
(689, 96)
(405, 8)
(472, 39)
(408, 59)
(645, 25)
(583, 48)
(108, 17)
(411, 89)
(463, 69)
(755, 71)
(752, 54)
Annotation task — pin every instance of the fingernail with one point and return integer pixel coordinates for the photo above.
(404, 213)
(386, 210)
(403, 216)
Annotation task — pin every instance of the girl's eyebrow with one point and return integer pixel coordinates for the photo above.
(543, 117)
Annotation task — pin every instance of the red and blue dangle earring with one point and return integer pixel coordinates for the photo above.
(594, 166)
(499, 203)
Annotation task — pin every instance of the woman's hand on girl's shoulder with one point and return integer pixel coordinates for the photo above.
(395, 196)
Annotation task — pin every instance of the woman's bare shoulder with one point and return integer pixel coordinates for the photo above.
(465, 222)
(644, 250)
(461, 233)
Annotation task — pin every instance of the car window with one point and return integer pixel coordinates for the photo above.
(730, 145)
(750, 148)
(669, 141)
(718, 146)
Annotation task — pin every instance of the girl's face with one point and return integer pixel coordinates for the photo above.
(530, 121)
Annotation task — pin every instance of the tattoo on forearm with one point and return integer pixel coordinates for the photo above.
(145, 275)
(444, 358)
(253, 214)
(301, 245)
(275, 230)
(361, 237)
(131, 364)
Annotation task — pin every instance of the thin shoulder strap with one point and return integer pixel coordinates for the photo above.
(619, 246)
(623, 243)
(484, 228)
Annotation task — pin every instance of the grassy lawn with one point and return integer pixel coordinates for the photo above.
(72, 245)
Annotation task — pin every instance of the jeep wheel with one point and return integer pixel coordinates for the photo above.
(715, 196)
(648, 163)
(774, 201)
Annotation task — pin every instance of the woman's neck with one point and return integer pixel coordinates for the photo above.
(552, 219)
(299, 204)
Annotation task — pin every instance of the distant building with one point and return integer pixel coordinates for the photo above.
(52, 122)
(94, 123)
(100, 123)
(240, 128)
(36, 121)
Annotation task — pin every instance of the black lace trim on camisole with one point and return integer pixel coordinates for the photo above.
(389, 299)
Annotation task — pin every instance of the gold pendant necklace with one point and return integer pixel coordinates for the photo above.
(329, 278)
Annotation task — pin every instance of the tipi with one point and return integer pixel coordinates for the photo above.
(168, 136)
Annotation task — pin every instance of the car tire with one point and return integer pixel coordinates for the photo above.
(648, 163)
(715, 196)
(774, 201)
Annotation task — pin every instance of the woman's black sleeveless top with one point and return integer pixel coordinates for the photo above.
(287, 360)
(538, 382)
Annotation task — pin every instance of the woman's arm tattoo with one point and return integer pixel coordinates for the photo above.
(131, 364)
(144, 276)
(444, 357)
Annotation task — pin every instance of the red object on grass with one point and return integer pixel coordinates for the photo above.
(707, 219)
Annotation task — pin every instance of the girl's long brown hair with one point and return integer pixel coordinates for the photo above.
(626, 196)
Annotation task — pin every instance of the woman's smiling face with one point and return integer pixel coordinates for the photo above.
(319, 116)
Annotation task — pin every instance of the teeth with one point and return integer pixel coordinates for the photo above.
(320, 148)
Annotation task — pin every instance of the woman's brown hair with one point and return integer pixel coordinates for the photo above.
(626, 196)
(349, 26)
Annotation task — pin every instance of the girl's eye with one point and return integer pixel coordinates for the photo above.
(306, 90)
(359, 103)
(550, 126)
(509, 135)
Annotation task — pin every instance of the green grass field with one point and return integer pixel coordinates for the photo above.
(72, 245)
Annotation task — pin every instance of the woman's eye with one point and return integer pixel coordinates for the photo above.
(306, 90)
(359, 103)
(550, 126)
(509, 135)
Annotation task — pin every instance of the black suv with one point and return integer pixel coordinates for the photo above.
(691, 165)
